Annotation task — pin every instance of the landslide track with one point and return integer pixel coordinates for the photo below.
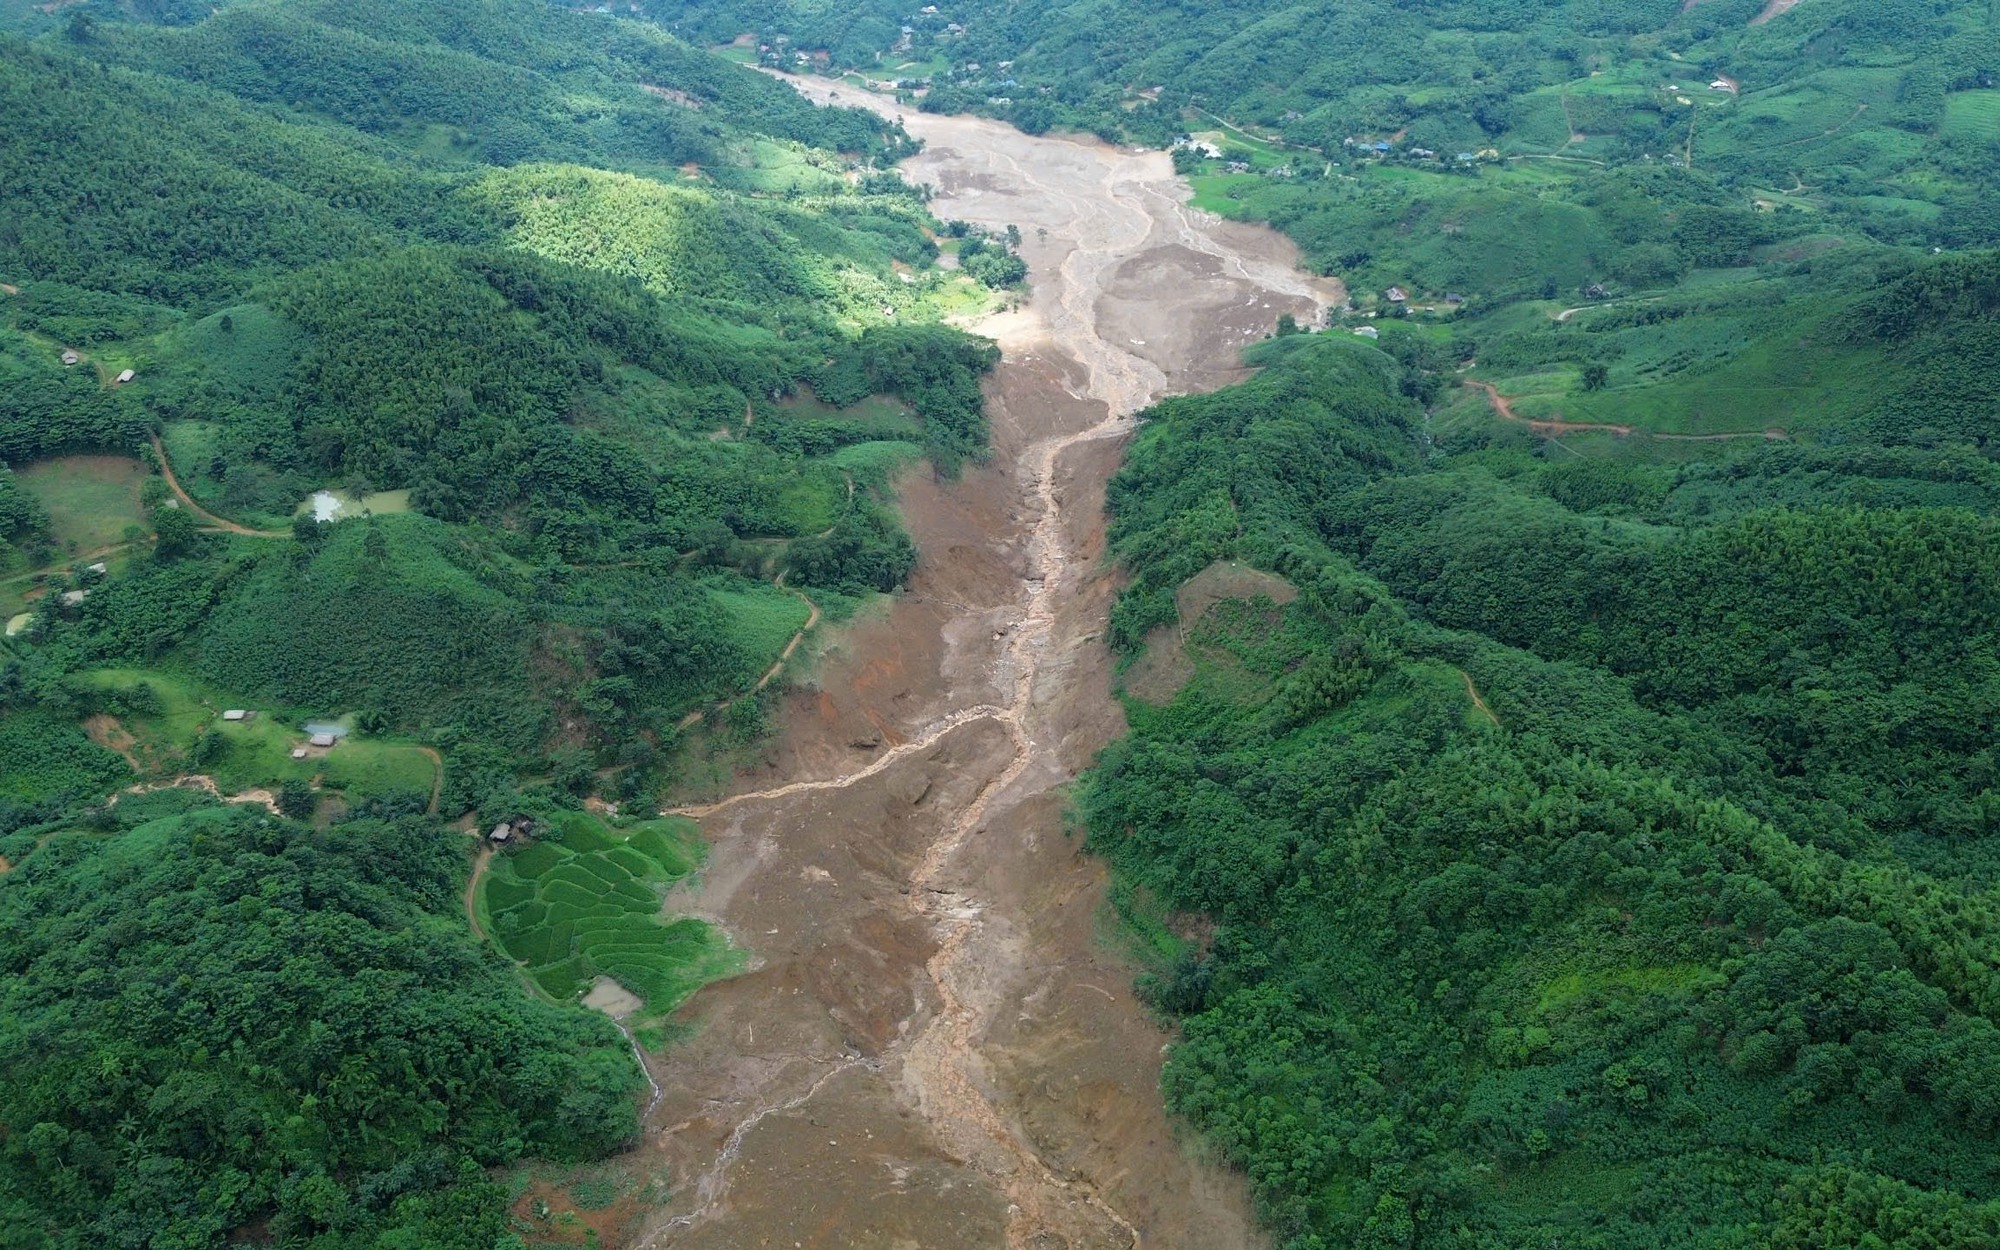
(935, 1044)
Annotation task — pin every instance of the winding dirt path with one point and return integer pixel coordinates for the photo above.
(213, 521)
(1555, 427)
(1472, 692)
(437, 778)
(480, 864)
(778, 665)
(924, 1052)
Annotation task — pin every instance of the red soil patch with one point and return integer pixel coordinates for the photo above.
(558, 1221)
(106, 732)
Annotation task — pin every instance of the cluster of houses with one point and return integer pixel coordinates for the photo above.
(72, 357)
(89, 572)
(1386, 147)
(507, 830)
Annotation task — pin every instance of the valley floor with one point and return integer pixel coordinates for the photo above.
(936, 1046)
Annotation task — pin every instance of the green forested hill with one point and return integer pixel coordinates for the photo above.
(217, 1021)
(604, 352)
(326, 286)
(1567, 878)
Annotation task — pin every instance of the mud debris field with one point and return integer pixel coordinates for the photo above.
(935, 1047)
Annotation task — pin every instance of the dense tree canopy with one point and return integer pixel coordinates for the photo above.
(222, 1018)
(1675, 938)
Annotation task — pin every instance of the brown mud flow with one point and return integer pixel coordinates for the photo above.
(935, 1047)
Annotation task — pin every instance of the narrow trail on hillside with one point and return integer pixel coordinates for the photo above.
(1555, 427)
(771, 673)
(1478, 702)
(437, 778)
(480, 864)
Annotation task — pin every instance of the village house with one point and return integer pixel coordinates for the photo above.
(501, 832)
(322, 740)
(71, 598)
(125, 377)
(235, 713)
(1368, 332)
(70, 356)
(1396, 295)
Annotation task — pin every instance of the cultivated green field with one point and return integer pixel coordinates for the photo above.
(92, 501)
(762, 619)
(1973, 115)
(584, 900)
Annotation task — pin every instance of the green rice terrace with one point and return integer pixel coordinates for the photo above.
(580, 898)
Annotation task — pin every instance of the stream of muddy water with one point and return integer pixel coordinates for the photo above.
(937, 1046)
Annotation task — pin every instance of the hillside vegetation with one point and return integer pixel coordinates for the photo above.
(1565, 877)
(494, 392)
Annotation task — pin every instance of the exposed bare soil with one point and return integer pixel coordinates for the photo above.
(202, 781)
(933, 1047)
(1166, 666)
(1555, 427)
(1776, 8)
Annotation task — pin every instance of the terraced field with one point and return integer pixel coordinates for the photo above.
(584, 902)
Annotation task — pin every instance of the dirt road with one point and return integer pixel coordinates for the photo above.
(935, 1046)
(1555, 427)
(207, 518)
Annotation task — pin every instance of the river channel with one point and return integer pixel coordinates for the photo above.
(937, 1044)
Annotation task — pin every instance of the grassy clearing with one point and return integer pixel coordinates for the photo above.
(1569, 987)
(762, 619)
(768, 165)
(926, 68)
(1972, 115)
(584, 901)
(1221, 193)
(1781, 380)
(91, 500)
(882, 410)
(168, 734)
(248, 348)
(875, 460)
